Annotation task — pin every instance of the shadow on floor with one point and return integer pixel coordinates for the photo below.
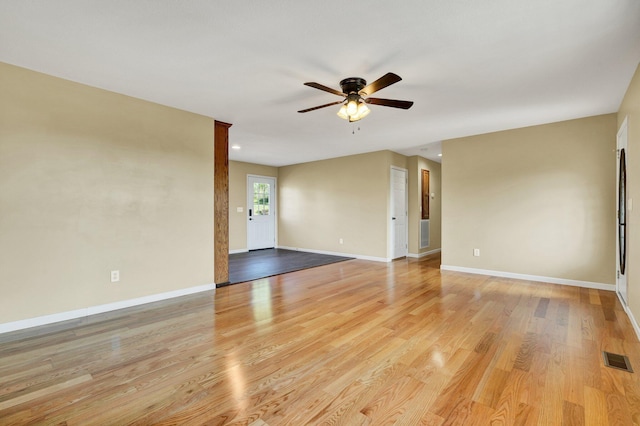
(258, 264)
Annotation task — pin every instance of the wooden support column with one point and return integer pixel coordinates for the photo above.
(221, 203)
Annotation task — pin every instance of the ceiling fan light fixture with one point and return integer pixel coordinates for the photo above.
(353, 109)
(352, 106)
(361, 113)
(363, 110)
(342, 113)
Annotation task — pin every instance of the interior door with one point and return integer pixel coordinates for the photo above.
(398, 213)
(622, 206)
(261, 212)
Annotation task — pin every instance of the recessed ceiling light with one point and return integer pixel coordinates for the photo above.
(439, 155)
(235, 146)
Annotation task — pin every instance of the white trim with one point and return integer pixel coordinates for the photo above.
(335, 253)
(632, 319)
(424, 254)
(93, 310)
(372, 258)
(552, 280)
(239, 251)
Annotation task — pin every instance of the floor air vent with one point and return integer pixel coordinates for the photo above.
(621, 362)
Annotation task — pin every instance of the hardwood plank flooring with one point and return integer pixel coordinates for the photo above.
(351, 343)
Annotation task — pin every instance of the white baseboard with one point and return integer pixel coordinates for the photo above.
(552, 280)
(426, 253)
(634, 323)
(238, 251)
(333, 253)
(92, 310)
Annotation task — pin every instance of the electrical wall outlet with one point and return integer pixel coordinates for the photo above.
(476, 252)
(115, 276)
(341, 241)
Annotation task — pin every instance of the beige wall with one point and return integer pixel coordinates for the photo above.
(238, 172)
(631, 108)
(93, 181)
(347, 197)
(416, 164)
(537, 200)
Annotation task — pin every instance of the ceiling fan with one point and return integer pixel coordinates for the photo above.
(355, 91)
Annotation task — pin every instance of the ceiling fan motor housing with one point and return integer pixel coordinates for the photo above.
(352, 85)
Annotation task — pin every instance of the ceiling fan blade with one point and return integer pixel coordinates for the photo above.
(390, 103)
(321, 106)
(386, 80)
(325, 88)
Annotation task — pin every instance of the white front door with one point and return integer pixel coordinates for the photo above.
(622, 206)
(398, 210)
(261, 212)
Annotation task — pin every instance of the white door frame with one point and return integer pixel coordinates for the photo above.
(621, 278)
(391, 230)
(273, 206)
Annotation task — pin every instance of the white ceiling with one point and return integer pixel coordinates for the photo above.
(470, 66)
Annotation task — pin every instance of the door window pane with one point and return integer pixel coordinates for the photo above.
(261, 193)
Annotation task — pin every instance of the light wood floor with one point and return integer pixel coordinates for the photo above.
(353, 343)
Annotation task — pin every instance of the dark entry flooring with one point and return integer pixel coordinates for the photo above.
(258, 264)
